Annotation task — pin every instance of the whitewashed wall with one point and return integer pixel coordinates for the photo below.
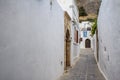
(31, 40)
(109, 38)
(75, 47)
(66, 5)
(95, 46)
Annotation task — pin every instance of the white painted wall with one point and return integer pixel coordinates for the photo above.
(109, 38)
(75, 47)
(31, 40)
(95, 46)
(66, 5)
(70, 7)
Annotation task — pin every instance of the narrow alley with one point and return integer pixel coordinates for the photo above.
(59, 39)
(85, 68)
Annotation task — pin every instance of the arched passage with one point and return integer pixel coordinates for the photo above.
(87, 43)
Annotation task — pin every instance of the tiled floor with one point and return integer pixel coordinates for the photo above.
(85, 68)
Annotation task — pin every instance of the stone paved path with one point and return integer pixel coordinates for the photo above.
(85, 68)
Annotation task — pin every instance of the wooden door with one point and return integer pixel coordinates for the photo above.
(87, 43)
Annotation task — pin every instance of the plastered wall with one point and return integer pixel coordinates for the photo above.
(31, 40)
(109, 38)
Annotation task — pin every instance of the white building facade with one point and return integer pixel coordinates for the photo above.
(86, 39)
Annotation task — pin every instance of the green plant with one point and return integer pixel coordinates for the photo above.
(94, 27)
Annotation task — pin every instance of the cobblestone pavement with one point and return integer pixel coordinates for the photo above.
(84, 69)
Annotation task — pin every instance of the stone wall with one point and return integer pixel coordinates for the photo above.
(67, 40)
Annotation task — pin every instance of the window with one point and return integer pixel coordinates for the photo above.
(85, 33)
(75, 35)
(80, 40)
(88, 29)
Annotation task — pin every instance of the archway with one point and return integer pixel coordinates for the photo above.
(67, 61)
(67, 41)
(87, 43)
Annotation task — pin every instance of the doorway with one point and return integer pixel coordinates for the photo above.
(67, 53)
(67, 41)
(87, 43)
